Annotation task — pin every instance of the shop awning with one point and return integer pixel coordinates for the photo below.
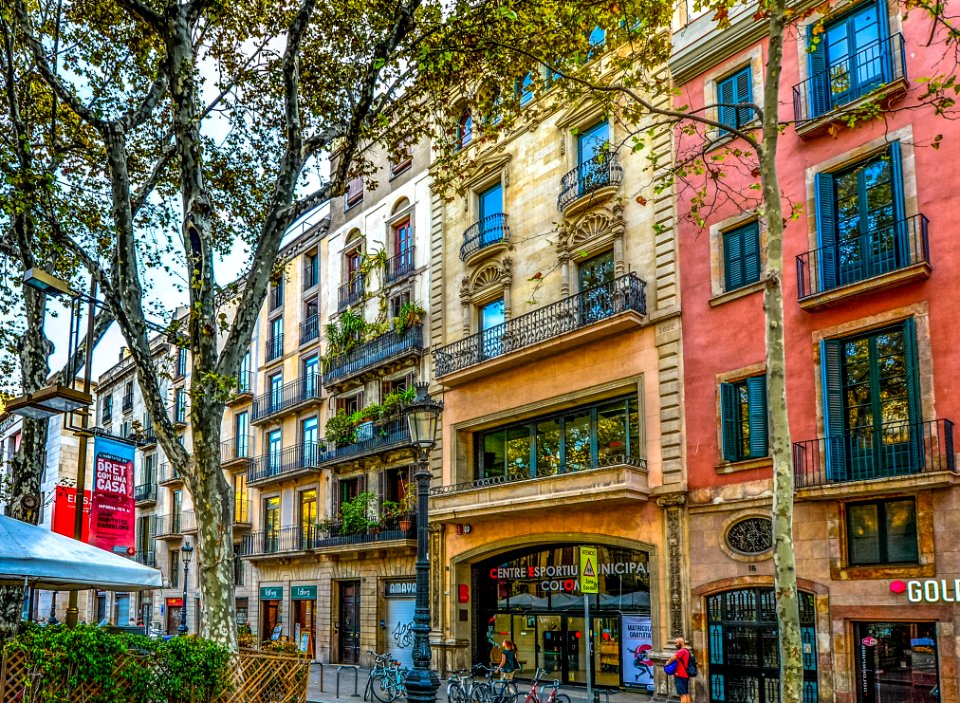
(45, 559)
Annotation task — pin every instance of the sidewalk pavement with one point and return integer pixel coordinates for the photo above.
(578, 694)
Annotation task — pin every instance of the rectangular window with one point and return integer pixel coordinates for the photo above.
(492, 318)
(310, 436)
(896, 662)
(849, 58)
(861, 224)
(149, 468)
(182, 362)
(741, 256)
(241, 506)
(181, 408)
(743, 418)
(350, 488)
(871, 405)
(243, 377)
(271, 524)
(308, 512)
(174, 568)
(275, 343)
(311, 270)
(350, 404)
(882, 532)
(602, 434)
(107, 413)
(397, 302)
(275, 451)
(242, 435)
(732, 91)
(403, 162)
(311, 377)
(354, 193)
(276, 294)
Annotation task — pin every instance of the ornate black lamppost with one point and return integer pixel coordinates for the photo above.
(423, 415)
(186, 551)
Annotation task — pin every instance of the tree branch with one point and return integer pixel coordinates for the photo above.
(137, 117)
(145, 14)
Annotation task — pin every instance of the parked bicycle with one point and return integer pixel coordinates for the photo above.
(460, 685)
(555, 696)
(491, 691)
(387, 680)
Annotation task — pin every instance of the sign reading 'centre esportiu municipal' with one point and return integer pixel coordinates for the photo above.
(113, 513)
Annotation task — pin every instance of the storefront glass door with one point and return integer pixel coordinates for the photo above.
(896, 662)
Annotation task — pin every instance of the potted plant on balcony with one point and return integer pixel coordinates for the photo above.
(394, 400)
(389, 513)
(355, 514)
(410, 313)
(325, 527)
(407, 506)
(340, 429)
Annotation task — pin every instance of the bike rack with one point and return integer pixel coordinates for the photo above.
(356, 680)
(320, 664)
(605, 691)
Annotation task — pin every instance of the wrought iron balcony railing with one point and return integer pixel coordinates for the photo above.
(299, 457)
(350, 293)
(106, 415)
(370, 438)
(127, 404)
(888, 248)
(849, 79)
(376, 352)
(899, 449)
(169, 525)
(168, 473)
(278, 541)
(623, 294)
(315, 537)
(241, 511)
(400, 265)
(236, 449)
(244, 383)
(310, 329)
(274, 348)
(286, 396)
(147, 435)
(599, 172)
(148, 558)
(145, 492)
(615, 460)
(188, 521)
(492, 229)
(178, 413)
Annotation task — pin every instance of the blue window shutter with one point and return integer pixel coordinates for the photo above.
(818, 93)
(744, 89)
(757, 396)
(750, 247)
(826, 231)
(831, 354)
(729, 422)
(726, 96)
(733, 259)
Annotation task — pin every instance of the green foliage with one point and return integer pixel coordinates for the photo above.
(355, 514)
(411, 313)
(61, 660)
(395, 400)
(340, 428)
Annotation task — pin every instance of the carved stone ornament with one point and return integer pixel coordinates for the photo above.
(490, 275)
(596, 229)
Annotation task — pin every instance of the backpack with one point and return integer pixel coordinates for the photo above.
(692, 670)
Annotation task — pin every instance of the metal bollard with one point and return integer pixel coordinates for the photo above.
(356, 678)
(320, 664)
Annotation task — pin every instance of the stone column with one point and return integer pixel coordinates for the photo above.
(674, 539)
(663, 684)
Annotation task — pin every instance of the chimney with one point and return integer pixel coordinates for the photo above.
(123, 353)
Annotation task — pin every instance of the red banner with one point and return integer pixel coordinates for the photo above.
(65, 511)
(113, 517)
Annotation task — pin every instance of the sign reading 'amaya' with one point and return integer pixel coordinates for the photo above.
(929, 590)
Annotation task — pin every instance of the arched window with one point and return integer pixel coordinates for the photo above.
(400, 206)
(464, 129)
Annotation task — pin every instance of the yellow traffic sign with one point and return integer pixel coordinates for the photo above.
(589, 573)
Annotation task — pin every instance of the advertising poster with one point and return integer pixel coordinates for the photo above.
(65, 511)
(112, 516)
(637, 641)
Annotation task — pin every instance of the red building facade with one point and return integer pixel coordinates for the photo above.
(872, 366)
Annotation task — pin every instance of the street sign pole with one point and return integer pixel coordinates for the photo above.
(589, 583)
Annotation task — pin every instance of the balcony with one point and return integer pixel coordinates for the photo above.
(400, 266)
(147, 435)
(388, 349)
(243, 390)
(106, 415)
(188, 522)
(145, 493)
(236, 453)
(274, 348)
(878, 71)
(241, 514)
(288, 463)
(148, 558)
(888, 256)
(590, 182)
(302, 540)
(169, 526)
(127, 403)
(617, 478)
(489, 235)
(289, 396)
(908, 454)
(370, 438)
(350, 293)
(178, 414)
(168, 475)
(599, 312)
(310, 330)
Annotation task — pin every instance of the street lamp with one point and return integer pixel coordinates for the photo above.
(186, 551)
(423, 415)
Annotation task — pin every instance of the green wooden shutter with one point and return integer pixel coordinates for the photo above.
(818, 91)
(750, 248)
(757, 397)
(733, 259)
(901, 227)
(744, 90)
(831, 354)
(913, 393)
(729, 422)
(826, 231)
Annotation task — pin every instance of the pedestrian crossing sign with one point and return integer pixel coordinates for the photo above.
(589, 579)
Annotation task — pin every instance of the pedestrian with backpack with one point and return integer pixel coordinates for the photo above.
(682, 666)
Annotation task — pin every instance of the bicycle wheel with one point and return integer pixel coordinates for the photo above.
(482, 693)
(455, 693)
(385, 688)
(562, 698)
(368, 689)
(510, 692)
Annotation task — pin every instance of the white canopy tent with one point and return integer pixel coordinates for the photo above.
(44, 559)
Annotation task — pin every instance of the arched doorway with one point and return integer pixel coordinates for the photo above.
(532, 596)
(743, 646)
